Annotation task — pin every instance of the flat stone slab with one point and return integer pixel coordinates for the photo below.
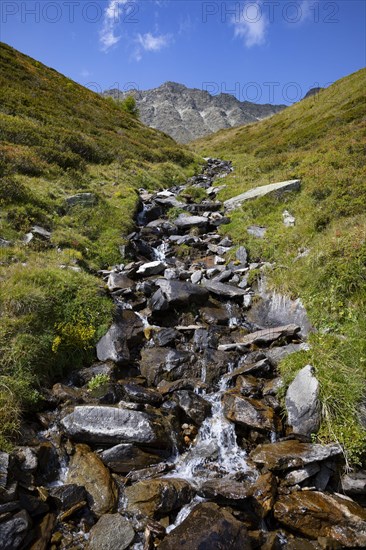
(235, 202)
(263, 337)
(284, 455)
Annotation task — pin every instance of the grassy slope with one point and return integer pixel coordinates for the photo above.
(58, 139)
(322, 141)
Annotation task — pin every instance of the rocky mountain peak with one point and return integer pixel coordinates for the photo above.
(189, 113)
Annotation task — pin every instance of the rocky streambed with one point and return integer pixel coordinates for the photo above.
(175, 438)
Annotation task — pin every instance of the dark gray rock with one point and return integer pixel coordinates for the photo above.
(241, 255)
(117, 281)
(124, 335)
(66, 496)
(14, 531)
(100, 424)
(124, 458)
(248, 412)
(302, 402)
(159, 364)
(151, 268)
(111, 532)
(139, 394)
(166, 336)
(186, 222)
(194, 406)
(174, 293)
(222, 289)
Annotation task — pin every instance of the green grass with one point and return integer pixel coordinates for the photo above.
(59, 139)
(320, 140)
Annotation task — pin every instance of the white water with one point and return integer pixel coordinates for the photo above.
(184, 513)
(160, 251)
(215, 450)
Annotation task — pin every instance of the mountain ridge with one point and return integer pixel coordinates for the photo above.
(190, 113)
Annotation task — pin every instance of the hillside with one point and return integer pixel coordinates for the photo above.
(70, 165)
(322, 258)
(187, 113)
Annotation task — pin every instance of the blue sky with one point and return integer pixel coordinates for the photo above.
(262, 51)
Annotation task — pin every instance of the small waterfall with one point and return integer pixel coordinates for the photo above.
(161, 251)
(215, 451)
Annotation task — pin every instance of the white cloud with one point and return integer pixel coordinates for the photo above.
(107, 35)
(251, 25)
(85, 73)
(150, 43)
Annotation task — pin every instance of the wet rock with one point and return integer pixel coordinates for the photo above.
(173, 293)
(222, 289)
(111, 532)
(225, 489)
(84, 199)
(262, 367)
(194, 406)
(158, 497)
(166, 336)
(208, 527)
(14, 531)
(165, 387)
(149, 213)
(302, 402)
(284, 455)
(271, 387)
(186, 222)
(159, 364)
(66, 496)
(249, 386)
(204, 339)
(124, 458)
(86, 469)
(48, 464)
(100, 424)
(264, 492)
(263, 338)
(117, 281)
(247, 412)
(315, 514)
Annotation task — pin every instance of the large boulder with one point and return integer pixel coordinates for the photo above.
(208, 527)
(173, 293)
(302, 402)
(86, 469)
(184, 221)
(247, 412)
(112, 425)
(284, 455)
(122, 336)
(276, 188)
(158, 497)
(111, 532)
(316, 514)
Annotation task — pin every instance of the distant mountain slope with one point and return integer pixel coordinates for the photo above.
(187, 114)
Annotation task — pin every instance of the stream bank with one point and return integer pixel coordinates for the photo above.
(183, 443)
